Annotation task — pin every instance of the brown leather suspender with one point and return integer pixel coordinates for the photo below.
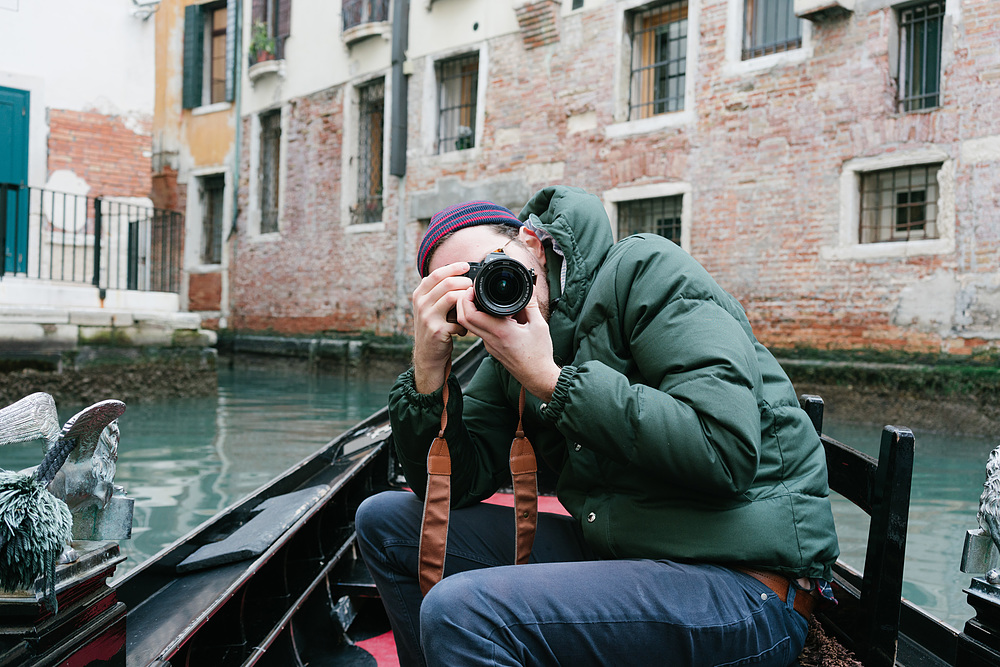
(437, 500)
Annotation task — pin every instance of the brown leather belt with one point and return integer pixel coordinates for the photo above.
(805, 601)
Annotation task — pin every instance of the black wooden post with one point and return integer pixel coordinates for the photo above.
(883, 577)
(97, 242)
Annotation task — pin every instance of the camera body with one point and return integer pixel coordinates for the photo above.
(502, 285)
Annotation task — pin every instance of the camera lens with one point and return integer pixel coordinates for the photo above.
(503, 287)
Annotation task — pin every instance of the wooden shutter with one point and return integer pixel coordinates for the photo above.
(283, 26)
(259, 11)
(231, 50)
(194, 38)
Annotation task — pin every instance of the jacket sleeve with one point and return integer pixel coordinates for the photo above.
(478, 423)
(694, 421)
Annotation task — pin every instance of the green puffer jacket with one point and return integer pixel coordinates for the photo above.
(674, 433)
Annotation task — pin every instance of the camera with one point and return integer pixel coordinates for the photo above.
(501, 284)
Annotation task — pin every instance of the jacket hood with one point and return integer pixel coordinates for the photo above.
(578, 224)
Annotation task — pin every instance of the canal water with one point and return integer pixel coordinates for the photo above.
(183, 460)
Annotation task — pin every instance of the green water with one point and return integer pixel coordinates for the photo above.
(183, 460)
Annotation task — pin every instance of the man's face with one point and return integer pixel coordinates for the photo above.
(473, 244)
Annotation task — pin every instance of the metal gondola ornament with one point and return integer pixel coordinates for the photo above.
(35, 525)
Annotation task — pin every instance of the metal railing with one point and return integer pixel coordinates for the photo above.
(356, 12)
(107, 242)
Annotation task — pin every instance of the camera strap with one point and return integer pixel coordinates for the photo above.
(437, 499)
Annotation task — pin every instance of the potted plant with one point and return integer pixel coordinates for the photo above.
(261, 43)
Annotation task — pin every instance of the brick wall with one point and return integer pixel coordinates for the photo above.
(110, 153)
(204, 291)
(316, 276)
(763, 154)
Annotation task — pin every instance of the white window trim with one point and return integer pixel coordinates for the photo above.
(211, 108)
(623, 73)
(651, 191)
(193, 219)
(253, 210)
(736, 66)
(349, 156)
(848, 243)
(429, 105)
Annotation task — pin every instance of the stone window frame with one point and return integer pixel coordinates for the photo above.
(622, 127)
(194, 211)
(734, 63)
(468, 98)
(429, 105)
(683, 189)
(253, 198)
(349, 155)
(848, 244)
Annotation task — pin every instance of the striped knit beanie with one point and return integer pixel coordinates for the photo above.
(457, 217)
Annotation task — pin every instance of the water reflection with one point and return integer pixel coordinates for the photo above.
(183, 460)
(948, 475)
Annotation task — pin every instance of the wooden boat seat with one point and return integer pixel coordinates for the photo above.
(866, 620)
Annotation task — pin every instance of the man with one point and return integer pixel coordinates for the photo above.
(696, 486)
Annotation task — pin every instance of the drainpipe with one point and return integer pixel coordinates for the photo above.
(397, 148)
(238, 95)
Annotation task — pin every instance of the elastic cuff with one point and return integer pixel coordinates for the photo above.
(408, 384)
(560, 394)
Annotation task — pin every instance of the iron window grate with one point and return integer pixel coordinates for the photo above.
(371, 102)
(659, 60)
(358, 12)
(899, 204)
(458, 82)
(920, 56)
(214, 188)
(770, 26)
(659, 215)
(270, 155)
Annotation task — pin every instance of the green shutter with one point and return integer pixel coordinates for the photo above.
(231, 50)
(194, 44)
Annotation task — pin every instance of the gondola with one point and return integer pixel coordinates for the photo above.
(276, 579)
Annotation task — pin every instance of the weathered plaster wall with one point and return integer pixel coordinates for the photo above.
(79, 58)
(188, 145)
(110, 155)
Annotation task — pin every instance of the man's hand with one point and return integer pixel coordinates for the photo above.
(435, 297)
(521, 343)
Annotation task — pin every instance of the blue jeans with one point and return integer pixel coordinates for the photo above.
(565, 607)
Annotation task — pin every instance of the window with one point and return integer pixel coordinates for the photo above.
(212, 191)
(215, 34)
(659, 59)
(770, 26)
(209, 57)
(899, 204)
(270, 159)
(458, 82)
(276, 15)
(660, 215)
(920, 56)
(577, 4)
(358, 12)
(371, 113)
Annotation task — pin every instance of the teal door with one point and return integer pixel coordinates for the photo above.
(14, 179)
